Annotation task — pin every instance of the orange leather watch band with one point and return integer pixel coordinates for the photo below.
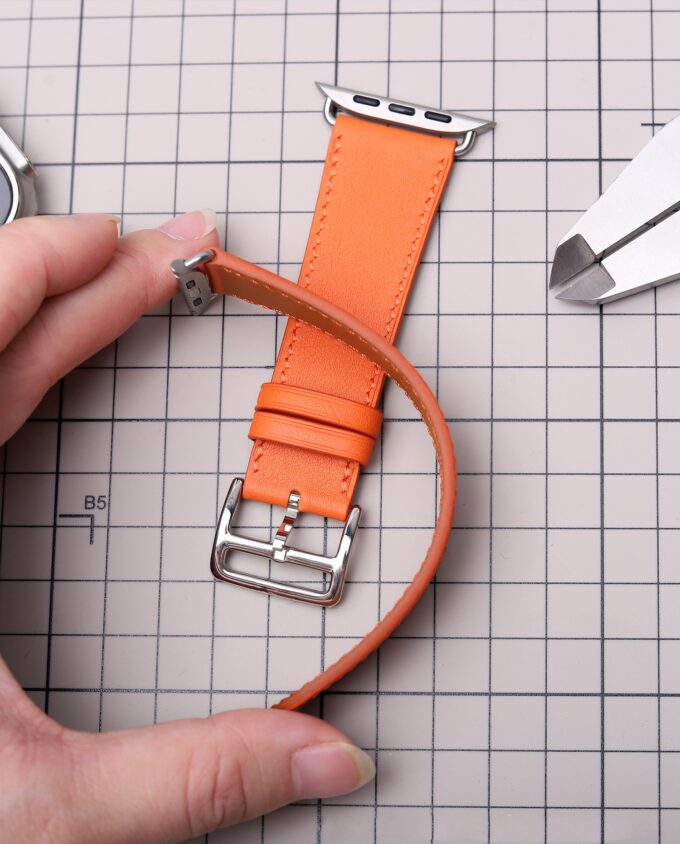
(231, 275)
(380, 190)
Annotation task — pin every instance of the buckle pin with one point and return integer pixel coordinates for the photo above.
(286, 527)
(279, 551)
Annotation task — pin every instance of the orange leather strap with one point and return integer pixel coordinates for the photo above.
(231, 275)
(380, 190)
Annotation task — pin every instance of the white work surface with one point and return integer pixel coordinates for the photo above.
(534, 694)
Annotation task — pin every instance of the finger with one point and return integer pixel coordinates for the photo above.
(46, 256)
(17, 710)
(73, 326)
(175, 781)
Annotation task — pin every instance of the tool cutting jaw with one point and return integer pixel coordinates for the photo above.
(576, 273)
(629, 240)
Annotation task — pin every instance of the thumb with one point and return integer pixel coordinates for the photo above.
(175, 781)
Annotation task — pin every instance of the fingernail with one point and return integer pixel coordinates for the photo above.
(191, 226)
(325, 770)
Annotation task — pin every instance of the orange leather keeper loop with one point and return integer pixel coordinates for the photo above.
(312, 436)
(380, 190)
(320, 407)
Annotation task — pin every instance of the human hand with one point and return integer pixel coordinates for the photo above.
(70, 286)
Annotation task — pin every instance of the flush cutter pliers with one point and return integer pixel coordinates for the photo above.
(629, 240)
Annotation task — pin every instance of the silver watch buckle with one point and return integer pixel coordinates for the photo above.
(193, 282)
(278, 551)
(436, 121)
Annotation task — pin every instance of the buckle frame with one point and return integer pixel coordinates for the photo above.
(278, 551)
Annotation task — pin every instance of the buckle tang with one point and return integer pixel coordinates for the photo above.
(278, 551)
(386, 110)
(193, 282)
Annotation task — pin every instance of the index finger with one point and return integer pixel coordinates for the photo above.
(46, 256)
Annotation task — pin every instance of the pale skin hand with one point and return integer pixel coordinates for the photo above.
(70, 286)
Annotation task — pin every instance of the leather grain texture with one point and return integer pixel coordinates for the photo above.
(380, 189)
(233, 276)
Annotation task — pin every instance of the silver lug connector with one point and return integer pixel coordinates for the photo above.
(193, 282)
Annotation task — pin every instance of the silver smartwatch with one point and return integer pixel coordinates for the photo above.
(17, 182)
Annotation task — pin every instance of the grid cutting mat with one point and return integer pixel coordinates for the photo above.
(534, 694)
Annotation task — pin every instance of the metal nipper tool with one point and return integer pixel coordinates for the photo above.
(629, 240)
